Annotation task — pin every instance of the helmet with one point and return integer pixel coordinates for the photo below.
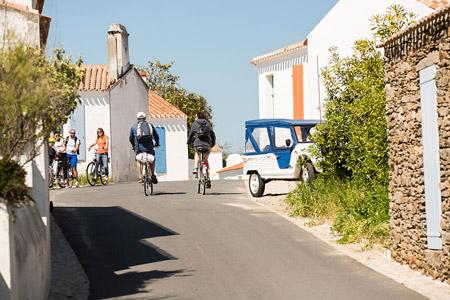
(140, 115)
(51, 139)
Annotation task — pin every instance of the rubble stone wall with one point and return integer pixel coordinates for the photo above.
(406, 188)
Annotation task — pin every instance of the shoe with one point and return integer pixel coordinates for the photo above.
(194, 171)
(140, 180)
(77, 184)
(208, 184)
(154, 179)
(106, 179)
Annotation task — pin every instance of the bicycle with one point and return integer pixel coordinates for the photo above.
(91, 176)
(147, 173)
(59, 177)
(202, 172)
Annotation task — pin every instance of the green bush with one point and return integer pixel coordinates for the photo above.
(12, 181)
(357, 210)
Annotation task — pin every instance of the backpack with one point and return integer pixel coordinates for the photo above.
(203, 131)
(144, 132)
(75, 139)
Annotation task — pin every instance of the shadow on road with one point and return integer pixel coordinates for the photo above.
(110, 240)
(217, 193)
(168, 193)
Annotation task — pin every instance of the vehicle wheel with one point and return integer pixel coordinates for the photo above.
(70, 179)
(308, 173)
(60, 178)
(256, 185)
(146, 186)
(51, 178)
(90, 175)
(102, 177)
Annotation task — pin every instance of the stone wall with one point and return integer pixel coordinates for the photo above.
(426, 45)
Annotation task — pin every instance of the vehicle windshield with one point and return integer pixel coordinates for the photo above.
(303, 133)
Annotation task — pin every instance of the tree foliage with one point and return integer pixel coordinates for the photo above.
(36, 96)
(395, 19)
(353, 139)
(165, 83)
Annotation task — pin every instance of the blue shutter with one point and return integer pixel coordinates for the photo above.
(161, 165)
(431, 158)
(77, 123)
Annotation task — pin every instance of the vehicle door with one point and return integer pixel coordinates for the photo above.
(259, 154)
(283, 142)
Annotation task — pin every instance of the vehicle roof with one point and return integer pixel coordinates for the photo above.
(272, 122)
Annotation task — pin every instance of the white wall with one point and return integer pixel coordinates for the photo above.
(24, 248)
(281, 69)
(24, 25)
(128, 96)
(234, 159)
(176, 149)
(340, 30)
(215, 163)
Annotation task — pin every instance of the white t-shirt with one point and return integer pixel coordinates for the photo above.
(59, 146)
(71, 145)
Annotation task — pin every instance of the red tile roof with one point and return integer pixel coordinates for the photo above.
(435, 4)
(160, 108)
(96, 78)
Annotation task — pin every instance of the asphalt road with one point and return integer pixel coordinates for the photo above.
(180, 245)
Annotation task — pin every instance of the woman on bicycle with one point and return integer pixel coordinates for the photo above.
(102, 143)
(201, 137)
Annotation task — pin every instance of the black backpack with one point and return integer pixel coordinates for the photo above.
(203, 131)
(144, 132)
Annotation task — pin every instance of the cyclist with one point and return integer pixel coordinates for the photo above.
(144, 139)
(51, 151)
(60, 147)
(72, 150)
(203, 137)
(102, 143)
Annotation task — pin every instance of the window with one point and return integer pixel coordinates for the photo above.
(249, 147)
(282, 137)
(262, 139)
(303, 134)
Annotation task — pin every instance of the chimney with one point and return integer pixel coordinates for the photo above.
(118, 58)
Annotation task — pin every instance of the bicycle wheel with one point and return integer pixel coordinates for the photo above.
(70, 178)
(60, 178)
(199, 174)
(203, 181)
(146, 180)
(51, 177)
(90, 174)
(102, 176)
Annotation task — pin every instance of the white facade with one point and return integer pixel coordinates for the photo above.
(176, 150)
(336, 29)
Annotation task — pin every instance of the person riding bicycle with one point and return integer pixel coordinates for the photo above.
(144, 139)
(101, 155)
(72, 150)
(202, 138)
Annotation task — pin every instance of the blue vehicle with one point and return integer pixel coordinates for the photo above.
(273, 148)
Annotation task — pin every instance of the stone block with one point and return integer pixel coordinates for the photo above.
(434, 258)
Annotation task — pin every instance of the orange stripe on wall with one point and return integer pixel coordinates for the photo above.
(297, 80)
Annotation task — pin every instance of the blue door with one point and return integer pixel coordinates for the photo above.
(282, 145)
(161, 165)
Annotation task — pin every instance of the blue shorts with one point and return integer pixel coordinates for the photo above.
(72, 159)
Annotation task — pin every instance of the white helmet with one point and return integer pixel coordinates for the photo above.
(140, 115)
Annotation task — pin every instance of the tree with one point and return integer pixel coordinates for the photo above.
(165, 83)
(352, 142)
(36, 96)
(395, 19)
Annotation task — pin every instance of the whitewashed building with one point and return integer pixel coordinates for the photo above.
(171, 125)
(110, 96)
(25, 228)
(290, 85)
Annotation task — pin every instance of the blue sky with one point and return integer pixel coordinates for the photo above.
(211, 43)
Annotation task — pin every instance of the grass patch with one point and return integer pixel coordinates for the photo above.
(358, 210)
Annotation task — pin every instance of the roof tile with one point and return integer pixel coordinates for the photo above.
(96, 78)
(435, 4)
(160, 108)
